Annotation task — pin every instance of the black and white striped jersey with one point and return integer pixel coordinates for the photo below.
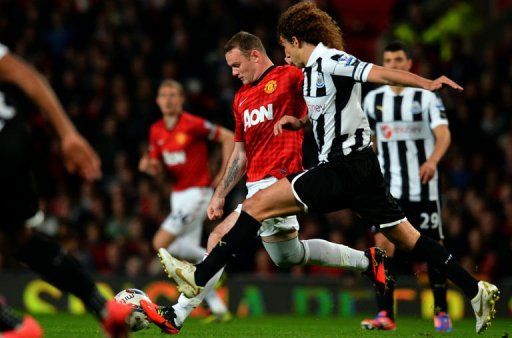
(332, 90)
(403, 127)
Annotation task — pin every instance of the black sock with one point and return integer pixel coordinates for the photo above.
(46, 257)
(245, 228)
(436, 255)
(438, 285)
(8, 319)
(385, 301)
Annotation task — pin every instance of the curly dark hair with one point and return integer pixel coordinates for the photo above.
(310, 24)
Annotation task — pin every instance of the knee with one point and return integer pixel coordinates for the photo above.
(404, 239)
(156, 243)
(285, 258)
(283, 261)
(160, 242)
(253, 206)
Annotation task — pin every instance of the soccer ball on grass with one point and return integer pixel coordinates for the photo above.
(138, 320)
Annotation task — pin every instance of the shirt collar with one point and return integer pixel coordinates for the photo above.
(268, 70)
(319, 50)
(402, 93)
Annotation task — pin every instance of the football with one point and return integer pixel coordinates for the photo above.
(138, 320)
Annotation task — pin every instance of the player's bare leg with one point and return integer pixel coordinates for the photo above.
(221, 229)
(163, 239)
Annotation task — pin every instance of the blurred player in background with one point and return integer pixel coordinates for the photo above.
(412, 135)
(268, 93)
(348, 174)
(179, 141)
(19, 211)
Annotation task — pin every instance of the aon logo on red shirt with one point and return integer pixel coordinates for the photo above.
(256, 116)
(174, 157)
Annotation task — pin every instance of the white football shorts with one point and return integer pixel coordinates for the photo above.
(188, 212)
(270, 226)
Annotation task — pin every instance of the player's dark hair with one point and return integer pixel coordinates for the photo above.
(310, 24)
(397, 45)
(246, 42)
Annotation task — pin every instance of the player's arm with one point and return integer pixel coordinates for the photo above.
(395, 77)
(288, 122)
(150, 162)
(226, 139)
(150, 166)
(235, 170)
(77, 153)
(443, 140)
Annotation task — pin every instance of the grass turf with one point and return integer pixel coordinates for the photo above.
(69, 326)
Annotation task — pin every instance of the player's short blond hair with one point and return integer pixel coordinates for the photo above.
(173, 84)
(246, 42)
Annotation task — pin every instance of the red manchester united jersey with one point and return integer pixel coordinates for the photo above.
(183, 149)
(257, 107)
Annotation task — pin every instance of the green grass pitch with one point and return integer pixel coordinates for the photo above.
(69, 326)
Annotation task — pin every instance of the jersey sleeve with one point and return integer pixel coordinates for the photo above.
(154, 149)
(436, 111)
(344, 64)
(205, 129)
(301, 109)
(370, 114)
(239, 123)
(3, 50)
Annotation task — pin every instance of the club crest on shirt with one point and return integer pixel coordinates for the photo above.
(320, 83)
(416, 108)
(270, 86)
(181, 138)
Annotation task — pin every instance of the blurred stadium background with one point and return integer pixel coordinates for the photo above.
(105, 60)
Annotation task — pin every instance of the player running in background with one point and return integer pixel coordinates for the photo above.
(412, 136)
(180, 141)
(348, 175)
(269, 93)
(19, 211)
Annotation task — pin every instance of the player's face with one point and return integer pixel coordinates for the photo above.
(243, 67)
(292, 53)
(397, 60)
(170, 100)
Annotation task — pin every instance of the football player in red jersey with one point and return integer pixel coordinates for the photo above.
(269, 93)
(179, 141)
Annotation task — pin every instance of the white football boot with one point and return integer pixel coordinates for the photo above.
(181, 272)
(483, 305)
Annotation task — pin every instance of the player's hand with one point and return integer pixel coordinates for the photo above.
(286, 122)
(79, 157)
(427, 171)
(215, 208)
(150, 165)
(440, 82)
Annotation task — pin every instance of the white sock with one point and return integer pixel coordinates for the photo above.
(215, 303)
(185, 305)
(320, 252)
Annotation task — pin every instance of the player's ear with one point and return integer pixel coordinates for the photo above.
(255, 55)
(409, 64)
(295, 42)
